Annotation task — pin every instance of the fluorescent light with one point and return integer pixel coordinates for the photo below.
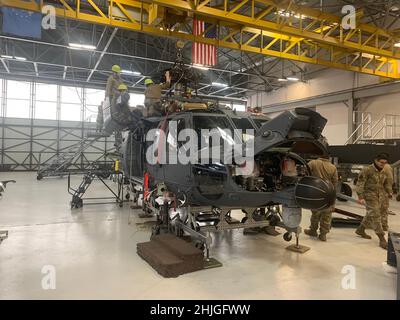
(200, 66)
(289, 14)
(283, 80)
(397, 45)
(13, 58)
(219, 84)
(293, 79)
(134, 73)
(78, 46)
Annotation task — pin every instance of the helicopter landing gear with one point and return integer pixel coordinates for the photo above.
(295, 247)
(287, 236)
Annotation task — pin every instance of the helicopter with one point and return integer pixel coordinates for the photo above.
(204, 192)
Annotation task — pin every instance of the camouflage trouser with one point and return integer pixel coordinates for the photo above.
(321, 219)
(118, 140)
(153, 109)
(385, 213)
(373, 217)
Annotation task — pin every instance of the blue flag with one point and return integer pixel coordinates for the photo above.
(22, 23)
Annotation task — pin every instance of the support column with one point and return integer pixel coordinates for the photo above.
(3, 116)
(351, 107)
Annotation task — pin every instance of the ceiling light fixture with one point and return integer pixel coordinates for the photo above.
(200, 66)
(219, 84)
(4, 56)
(133, 73)
(78, 46)
(293, 78)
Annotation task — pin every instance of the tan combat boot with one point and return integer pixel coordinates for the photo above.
(361, 232)
(311, 232)
(382, 241)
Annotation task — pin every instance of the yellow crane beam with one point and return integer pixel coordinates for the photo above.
(258, 26)
(287, 18)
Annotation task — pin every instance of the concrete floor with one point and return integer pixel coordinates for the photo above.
(93, 251)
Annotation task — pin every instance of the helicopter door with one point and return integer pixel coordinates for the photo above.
(175, 173)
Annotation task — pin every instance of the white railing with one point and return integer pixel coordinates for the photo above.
(386, 127)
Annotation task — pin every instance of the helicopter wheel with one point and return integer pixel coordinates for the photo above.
(155, 231)
(287, 236)
(200, 245)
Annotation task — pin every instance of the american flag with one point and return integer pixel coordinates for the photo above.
(204, 54)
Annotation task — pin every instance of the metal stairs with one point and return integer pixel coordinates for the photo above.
(59, 166)
(100, 175)
(373, 129)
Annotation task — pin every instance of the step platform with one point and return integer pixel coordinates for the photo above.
(171, 256)
(97, 134)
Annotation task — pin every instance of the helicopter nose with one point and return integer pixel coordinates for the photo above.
(314, 193)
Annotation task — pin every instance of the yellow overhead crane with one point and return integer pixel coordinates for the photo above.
(277, 28)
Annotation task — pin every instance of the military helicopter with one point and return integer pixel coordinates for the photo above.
(198, 197)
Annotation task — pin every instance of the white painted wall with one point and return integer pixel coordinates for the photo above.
(329, 81)
(387, 104)
(336, 130)
(325, 81)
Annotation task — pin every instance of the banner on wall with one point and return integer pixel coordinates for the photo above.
(22, 23)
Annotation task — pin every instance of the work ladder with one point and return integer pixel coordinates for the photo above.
(59, 166)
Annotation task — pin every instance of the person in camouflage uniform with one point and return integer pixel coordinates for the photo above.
(100, 119)
(373, 186)
(113, 82)
(324, 169)
(120, 106)
(153, 93)
(385, 207)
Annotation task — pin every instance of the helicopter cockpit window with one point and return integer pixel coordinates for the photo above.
(242, 123)
(245, 125)
(173, 133)
(208, 123)
(259, 122)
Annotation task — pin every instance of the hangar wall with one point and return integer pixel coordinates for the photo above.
(336, 130)
(385, 104)
(329, 82)
(39, 121)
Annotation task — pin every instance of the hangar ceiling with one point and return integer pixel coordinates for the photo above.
(245, 70)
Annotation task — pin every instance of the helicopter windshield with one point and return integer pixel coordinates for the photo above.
(205, 124)
(242, 123)
(259, 122)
